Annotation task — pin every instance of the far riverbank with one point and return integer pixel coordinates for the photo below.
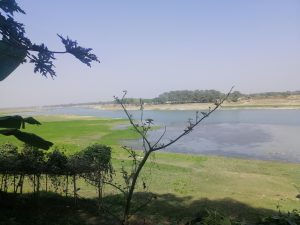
(194, 106)
(289, 102)
(273, 102)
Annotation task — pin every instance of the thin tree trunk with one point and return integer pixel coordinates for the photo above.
(5, 183)
(22, 183)
(14, 183)
(46, 182)
(34, 183)
(2, 182)
(75, 189)
(38, 184)
(132, 187)
(67, 185)
(19, 183)
(100, 194)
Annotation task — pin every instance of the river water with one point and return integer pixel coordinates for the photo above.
(268, 134)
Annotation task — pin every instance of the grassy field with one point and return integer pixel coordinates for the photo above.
(184, 184)
(74, 133)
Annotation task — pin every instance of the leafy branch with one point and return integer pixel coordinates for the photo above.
(16, 48)
(11, 125)
(13, 35)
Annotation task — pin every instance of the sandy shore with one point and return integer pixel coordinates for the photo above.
(196, 106)
(291, 102)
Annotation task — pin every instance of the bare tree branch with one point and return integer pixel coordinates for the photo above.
(192, 126)
(159, 139)
(142, 130)
(121, 102)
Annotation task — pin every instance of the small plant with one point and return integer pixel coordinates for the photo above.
(100, 170)
(93, 164)
(290, 218)
(213, 218)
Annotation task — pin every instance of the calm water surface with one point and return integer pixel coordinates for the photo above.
(272, 134)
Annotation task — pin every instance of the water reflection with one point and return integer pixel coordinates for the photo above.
(267, 142)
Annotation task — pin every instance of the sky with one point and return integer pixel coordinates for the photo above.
(151, 47)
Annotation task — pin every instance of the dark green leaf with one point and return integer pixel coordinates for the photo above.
(28, 138)
(83, 54)
(31, 120)
(33, 140)
(10, 6)
(7, 131)
(16, 121)
(11, 121)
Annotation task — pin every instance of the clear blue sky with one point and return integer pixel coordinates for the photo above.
(149, 47)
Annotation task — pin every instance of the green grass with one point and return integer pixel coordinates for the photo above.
(184, 182)
(74, 134)
(257, 183)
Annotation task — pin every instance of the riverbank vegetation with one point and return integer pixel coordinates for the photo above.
(243, 189)
(191, 100)
(202, 99)
(211, 96)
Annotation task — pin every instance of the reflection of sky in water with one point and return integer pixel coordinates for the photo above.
(268, 142)
(261, 134)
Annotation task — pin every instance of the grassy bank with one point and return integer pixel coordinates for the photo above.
(74, 132)
(183, 183)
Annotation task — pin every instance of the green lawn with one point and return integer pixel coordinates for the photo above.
(184, 184)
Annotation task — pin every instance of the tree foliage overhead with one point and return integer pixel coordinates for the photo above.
(16, 48)
(13, 35)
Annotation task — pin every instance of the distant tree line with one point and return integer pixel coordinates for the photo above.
(186, 96)
(182, 96)
(196, 96)
(204, 96)
(275, 94)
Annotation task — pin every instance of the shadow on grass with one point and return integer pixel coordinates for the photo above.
(48, 209)
(179, 210)
(54, 209)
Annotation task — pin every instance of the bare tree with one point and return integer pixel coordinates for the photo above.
(142, 127)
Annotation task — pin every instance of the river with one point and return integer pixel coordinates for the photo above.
(268, 134)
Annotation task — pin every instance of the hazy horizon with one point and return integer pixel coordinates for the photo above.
(112, 99)
(148, 48)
